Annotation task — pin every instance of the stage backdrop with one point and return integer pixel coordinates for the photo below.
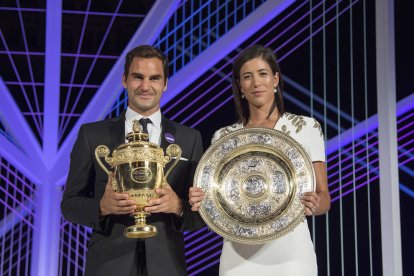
(61, 64)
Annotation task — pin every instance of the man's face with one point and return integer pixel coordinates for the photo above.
(145, 84)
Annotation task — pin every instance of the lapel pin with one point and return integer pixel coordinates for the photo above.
(170, 138)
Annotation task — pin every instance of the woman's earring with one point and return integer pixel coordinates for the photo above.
(275, 90)
(242, 95)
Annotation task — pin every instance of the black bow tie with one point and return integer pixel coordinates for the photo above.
(144, 123)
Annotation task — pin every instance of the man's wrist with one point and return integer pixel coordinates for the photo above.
(180, 211)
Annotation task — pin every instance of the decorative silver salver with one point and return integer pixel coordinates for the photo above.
(254, 179)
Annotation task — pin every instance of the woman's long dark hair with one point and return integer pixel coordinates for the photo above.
(266, 54)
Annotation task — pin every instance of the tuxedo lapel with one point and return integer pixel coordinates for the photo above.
(117, 131)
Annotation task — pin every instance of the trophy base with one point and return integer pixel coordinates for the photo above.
(138, 231)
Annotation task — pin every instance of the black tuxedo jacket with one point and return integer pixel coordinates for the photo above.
(109, 252)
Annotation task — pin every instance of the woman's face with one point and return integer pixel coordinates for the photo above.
(257, 83)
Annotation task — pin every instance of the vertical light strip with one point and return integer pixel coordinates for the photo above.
(325, 128)
(387, 136)
(354, 194)
(52, 80)
(3, 240)
(364, 11)
(45, 244)
(46, 235)
(338, 87)
(311, 94)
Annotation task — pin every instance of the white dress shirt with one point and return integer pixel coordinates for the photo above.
(154, 128)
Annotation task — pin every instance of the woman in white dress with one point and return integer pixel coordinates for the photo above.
(257, 91)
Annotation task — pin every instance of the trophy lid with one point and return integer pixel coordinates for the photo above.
(137, 139)
(137, 133)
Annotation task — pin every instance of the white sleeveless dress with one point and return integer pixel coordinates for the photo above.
(292, 254)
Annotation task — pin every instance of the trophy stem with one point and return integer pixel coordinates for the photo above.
(141, 229)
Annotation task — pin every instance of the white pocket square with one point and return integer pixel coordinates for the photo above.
(181, 158)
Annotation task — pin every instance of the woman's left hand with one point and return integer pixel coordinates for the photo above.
(311, 202)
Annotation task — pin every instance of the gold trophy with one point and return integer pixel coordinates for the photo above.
(138, 169)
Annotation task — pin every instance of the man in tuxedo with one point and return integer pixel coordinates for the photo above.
(89, 200)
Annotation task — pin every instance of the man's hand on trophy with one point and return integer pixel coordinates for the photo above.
(115, 203)
(168, 202)
(195, 196)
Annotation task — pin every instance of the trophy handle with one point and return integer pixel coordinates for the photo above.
(173, 150)
(102, 151)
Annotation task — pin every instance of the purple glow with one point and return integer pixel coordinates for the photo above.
(149, 29)
(15, 217)
(198, 98)
(204, 245)
(46, 235)
(189, 235)
(22, 53)
(72, 12)
(366, 126)
(212, 111)
(349, 148)
(195, 241)
(317, 31)
(306, 14)
(349, 157)
(24, 136)
(353, 180)
(29, 63)
(407, 134)
(222, 79)
(330, 176)
(204, 260)
(405, 144)
(354, 189)
(19, 160)
(408, 116)
(16, 176)
(205, 104)
(222, 47)
(201, 245)
(406, 161)
(89, 56)
(85, 19)
(52, 82)
(22, 9)
(204, 268)
(42, 84)
(38, 127)
(228, 75)
(103, 13)
(63, 55)
(22, 195)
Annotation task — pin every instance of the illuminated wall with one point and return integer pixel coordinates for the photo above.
(59, 68)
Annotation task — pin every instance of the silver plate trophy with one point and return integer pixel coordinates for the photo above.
(253, 179)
